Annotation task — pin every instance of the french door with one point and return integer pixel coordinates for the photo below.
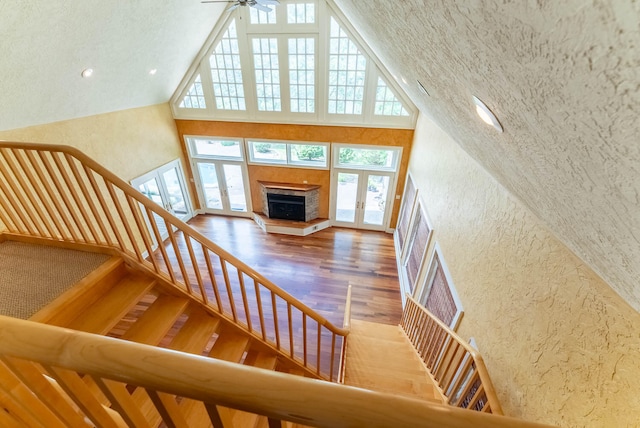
(166, 187)
(361, 199)
(222, 186)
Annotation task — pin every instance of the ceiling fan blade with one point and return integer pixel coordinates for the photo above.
(217, 1)
(231, 8)
(262, 7)
(268, 2)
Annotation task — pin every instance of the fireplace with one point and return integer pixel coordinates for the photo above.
(286, 207)
(290, 201)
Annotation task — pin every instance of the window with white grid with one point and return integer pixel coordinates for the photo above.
(226, 72)
(387, 103)
(267, 72)
(301, 13)
(259, 17)
(302, 74)
(347, 69)
(194, 97)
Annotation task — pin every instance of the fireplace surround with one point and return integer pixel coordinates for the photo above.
(290, 201)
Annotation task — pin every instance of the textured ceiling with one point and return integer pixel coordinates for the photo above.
(46, 45)
(564, 80)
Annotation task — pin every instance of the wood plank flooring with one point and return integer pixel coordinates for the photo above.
(318, 268)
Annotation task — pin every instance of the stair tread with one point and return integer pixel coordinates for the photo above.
(195, 333)
(157, 320)
(229, 347)
(106, 312)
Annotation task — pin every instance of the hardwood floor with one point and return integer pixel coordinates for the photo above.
(317, 269)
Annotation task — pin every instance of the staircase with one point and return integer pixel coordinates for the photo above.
(119, 302)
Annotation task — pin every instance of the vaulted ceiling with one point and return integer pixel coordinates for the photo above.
(562, 77)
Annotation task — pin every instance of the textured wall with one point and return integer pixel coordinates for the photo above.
(562, 76)
(128, 142)
(560, 345)
(327, 134)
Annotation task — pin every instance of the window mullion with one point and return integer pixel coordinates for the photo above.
(285, 85)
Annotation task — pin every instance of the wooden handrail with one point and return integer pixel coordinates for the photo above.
(456, 367)
(86, 203)
(167, 374)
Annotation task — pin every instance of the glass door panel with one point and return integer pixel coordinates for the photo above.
(175, 192)
(375, 199)
(347, 197)
(360, 198)
(151, 190)
(210, 186)
(235, 187)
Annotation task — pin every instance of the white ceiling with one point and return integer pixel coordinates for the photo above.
(563, 77)
(46, 45)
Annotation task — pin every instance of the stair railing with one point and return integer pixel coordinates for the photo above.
(56, 377)
(58, 193)
(458, 370)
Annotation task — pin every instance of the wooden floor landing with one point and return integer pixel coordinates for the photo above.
(318, 268)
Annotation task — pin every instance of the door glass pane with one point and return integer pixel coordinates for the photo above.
(210, 187)
(235, 187)
(152, 191)
(377, 189)
(346, 197)
(174, 190)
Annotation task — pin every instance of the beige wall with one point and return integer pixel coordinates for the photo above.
(128, 142)
(560, 345)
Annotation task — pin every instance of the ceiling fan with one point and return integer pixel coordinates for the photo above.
(262, 5)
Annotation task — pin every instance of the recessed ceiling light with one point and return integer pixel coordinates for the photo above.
(153, 71)
(486, 115)
(87, 72)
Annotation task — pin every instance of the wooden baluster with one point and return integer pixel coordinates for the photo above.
(49, 194)
(458, 382)
(196, 267)
(80, 393)
(156, 233)
(10, 218)
(225, 274)
(212, 277)
(144, 232)
(467, 388)
(454, 367)
(105, 208)
(218, 419)
(122, 402)
(476, 396)
(39, 199)
(176, 250)
(446, 369)
(88, 198)
(20, 190)
(290, 319)
(168, 409)
(275, 423)
(245, 302)
(304, 338)
(124, 220)
(17, 400)
(333, 355)
(263, 327)
(442, 356)
(81, 222)
(318, 348)
(276, 325)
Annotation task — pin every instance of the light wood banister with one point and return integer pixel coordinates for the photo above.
(468, 378)
(64, 353)
(58, 193)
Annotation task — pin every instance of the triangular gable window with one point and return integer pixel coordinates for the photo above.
(195, 96)
(387, 103)
(300, 63)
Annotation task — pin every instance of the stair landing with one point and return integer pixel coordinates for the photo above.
(381, 358)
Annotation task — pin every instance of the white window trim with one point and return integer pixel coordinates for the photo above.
(397, 156)
(287, 163)
(189, 139)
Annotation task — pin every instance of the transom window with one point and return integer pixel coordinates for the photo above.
(298, 154)
(216, 148)
(298, 63)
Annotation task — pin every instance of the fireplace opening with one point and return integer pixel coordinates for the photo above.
(286, 207)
